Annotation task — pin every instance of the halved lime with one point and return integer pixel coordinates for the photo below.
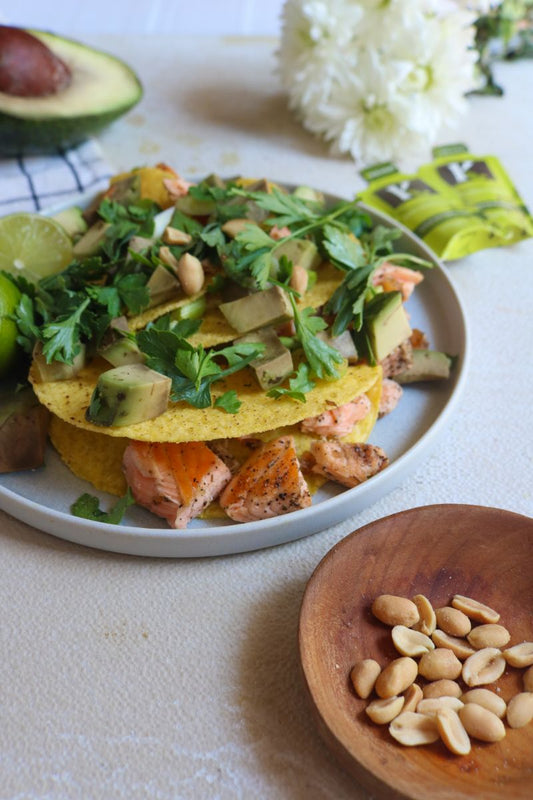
(33, 246)
(9, 297)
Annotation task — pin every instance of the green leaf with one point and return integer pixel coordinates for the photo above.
(88, 507)
(252, 237)
(299, 385)
(228, 402)
(320, 356)
(345, 251)
(61, 337)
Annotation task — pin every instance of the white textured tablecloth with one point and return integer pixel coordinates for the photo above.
(132, 678)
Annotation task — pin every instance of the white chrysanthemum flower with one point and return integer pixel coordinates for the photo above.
(377, 80)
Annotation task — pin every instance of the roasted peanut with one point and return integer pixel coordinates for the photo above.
(485, 666)
(474, 609)
(411, 729)
(190, 273)
(520, 710)
(442, 688)
(409, 642)
(396, 677)
(363, 676)
(481, 723)
(176, 236)
(167, 257)
(430, 705)
(428, 621)
(528, 680)
(489, 700)
(439, 663)
(393, 610)
(452, 732)
(385, 709)
(520, 655)
(452, 621)
(489, 635)
(299, 279)
(412, 696)
(459, 647)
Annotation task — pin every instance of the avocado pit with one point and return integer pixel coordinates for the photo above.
(28, 68)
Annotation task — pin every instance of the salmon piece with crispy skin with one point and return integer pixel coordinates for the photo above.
(347, 464)
(269, 483)
(338, 421)
(176, 481)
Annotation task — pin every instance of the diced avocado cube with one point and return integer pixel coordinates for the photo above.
(127, 395)
(275, 363)
(194, 206)
(71, 219)
(126, 191)
(258, 310)
(162, 285)
(91, 241)
(343, 343)
(23, 431)
(308, 194)
(118, 347)
(300, 251)
(428, 365)
(55, 370)
(386, 323)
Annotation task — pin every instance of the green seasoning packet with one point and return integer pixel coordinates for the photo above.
(435, 204)
(481, 183)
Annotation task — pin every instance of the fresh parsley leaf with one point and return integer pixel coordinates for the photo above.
(88, 507)
(348, 299)
(344, 250)
(285, 208)
(320, 356)
(229, 402)
(61, 336)
(299, 385)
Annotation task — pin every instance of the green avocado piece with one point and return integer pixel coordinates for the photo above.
(92, 240)
(428, 365)
(386, 323)
(258, 310)
(128, 394)
(71, 219)
(309, 195)
(118, 347)
(23, 431)
(162, 285)
(300, 251)
(102, 88)
(194, 206)
(56, 370)
(275, 362)
(343, 343)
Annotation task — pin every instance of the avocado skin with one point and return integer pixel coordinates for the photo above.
(51, 133)
(32, 137)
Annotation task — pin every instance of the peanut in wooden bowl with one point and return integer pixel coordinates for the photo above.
(438, 551)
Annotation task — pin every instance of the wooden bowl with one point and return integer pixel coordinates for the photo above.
(439, 551)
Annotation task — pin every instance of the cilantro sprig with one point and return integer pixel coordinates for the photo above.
(192, 370)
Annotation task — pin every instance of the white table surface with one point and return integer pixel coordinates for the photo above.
(125, 677)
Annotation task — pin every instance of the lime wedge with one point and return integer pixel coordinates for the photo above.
(33, 246)
(9, 297)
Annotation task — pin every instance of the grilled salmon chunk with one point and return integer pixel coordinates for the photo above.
(347, 464)
(269, 483)
(176, 481)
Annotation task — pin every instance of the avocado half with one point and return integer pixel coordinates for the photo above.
(102, 88)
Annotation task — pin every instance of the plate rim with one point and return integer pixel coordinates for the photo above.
(230, 538)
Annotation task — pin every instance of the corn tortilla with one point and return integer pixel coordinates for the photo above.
(181, 422)
(97, 458)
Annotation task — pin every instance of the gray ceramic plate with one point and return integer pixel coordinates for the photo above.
(42, 498)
